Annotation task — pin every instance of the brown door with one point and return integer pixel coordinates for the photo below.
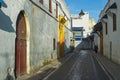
(20, 45)
(101, 42)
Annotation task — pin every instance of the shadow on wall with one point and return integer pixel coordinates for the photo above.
(66, 50)
(3, 4)
(6, 59)
(5, 21)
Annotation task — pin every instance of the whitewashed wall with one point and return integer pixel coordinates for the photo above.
(112, 36)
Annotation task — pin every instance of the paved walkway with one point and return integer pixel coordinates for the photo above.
(47, 70)
(110, 67)
(81, 66)
(73, 64)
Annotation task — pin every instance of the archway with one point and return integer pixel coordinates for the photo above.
(21, 45)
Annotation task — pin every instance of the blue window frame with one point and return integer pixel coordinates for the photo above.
(77, 28)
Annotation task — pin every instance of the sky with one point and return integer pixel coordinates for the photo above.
(93, 7)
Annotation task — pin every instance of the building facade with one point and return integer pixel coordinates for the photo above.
(82, 26)
(77, 35)
(29, 35)
(110, 20)
(64, 31)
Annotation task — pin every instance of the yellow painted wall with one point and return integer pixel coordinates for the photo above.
(61, 35)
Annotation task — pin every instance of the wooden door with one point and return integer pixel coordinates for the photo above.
(101, 42)
(20, 45)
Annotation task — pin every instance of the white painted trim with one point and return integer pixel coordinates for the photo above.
(28, 43)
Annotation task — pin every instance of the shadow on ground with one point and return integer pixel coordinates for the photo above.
(63, 60)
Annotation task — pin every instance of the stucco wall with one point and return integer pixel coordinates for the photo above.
(43, 28)
(82, 21)
(67, 40)
(43, 31)
(8, 16)
(112, 36)
(63, 10)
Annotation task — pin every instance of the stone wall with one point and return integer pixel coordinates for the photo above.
(112, 39)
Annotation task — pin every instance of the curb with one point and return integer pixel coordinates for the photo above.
(104, 68)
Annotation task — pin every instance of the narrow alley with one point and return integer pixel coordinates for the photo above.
(59, 40)
(81, 65)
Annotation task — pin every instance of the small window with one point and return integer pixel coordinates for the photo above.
(41, 1)
(56, 10)
(54, 44)
(50, 6)
(106, 28)
(114, 22)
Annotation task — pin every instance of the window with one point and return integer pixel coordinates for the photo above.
(54, 44)
(41, 1)
(50, 6)
(114, 22)
(106, 28)
(56, 10)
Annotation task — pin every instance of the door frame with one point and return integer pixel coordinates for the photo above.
(27, 41)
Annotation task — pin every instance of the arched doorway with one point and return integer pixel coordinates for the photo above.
(21, 45)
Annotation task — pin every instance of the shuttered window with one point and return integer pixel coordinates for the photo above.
(41, 1)
(50, 6)
(54, 44)
(106, 28)
(56, 10)
(114, 22)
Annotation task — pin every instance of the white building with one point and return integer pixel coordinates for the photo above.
(83, 21)
(110, 18)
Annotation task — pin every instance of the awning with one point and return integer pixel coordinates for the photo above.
(113, 6)
(105, 16)
(98, 27)
(78, 36)
(77, 28)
